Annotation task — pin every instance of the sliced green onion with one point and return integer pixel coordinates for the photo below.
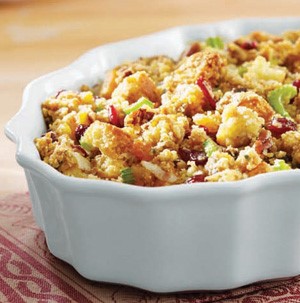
(210, 147)
(138, 104)
(85, 145)
(127, 175)
(242, 70)
(274, 61)
(215, 42)
(280, 96)
(98, 108)
(280, 165)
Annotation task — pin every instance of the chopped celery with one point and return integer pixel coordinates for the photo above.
(85, 145)
(209, 147)
(215, 42)
(281, 96)
(280, 165)
(138, 104)
(127, 175)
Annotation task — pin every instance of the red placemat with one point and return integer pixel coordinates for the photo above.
(29, 273)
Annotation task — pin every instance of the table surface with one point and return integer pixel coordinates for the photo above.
(40, 36)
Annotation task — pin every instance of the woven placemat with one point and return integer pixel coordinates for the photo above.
(29, 273)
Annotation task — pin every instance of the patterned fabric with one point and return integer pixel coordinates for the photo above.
(29, 273)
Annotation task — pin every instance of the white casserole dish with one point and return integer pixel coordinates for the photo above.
(179, 238)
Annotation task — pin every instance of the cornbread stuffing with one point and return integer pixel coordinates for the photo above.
(221, 112)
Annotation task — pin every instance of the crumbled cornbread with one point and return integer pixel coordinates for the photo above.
(222, 112)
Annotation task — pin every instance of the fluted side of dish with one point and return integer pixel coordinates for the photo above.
(177, 238)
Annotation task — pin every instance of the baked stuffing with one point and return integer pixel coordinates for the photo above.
(221, 112)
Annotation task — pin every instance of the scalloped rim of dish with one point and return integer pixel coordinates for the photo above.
(28, 157)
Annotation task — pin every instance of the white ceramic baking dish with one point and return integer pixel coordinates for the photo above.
(178, 238)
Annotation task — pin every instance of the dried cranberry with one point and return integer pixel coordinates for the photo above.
(79, 131)
(148, 116)
(279, 126)
(264, 141)
(53, 137)
(141, 116)
(127, 73)
(207, 92)
(248, 45)
(239, 89)
(187, 134)
(191, 50)
(209, 133)
(196, 179)
(186, 155)
(124, 72)
(114, 116)
(205, 129)
(59, 92)
(296, 83)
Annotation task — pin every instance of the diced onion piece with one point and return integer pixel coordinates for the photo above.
(159, 173)
(83, 163)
